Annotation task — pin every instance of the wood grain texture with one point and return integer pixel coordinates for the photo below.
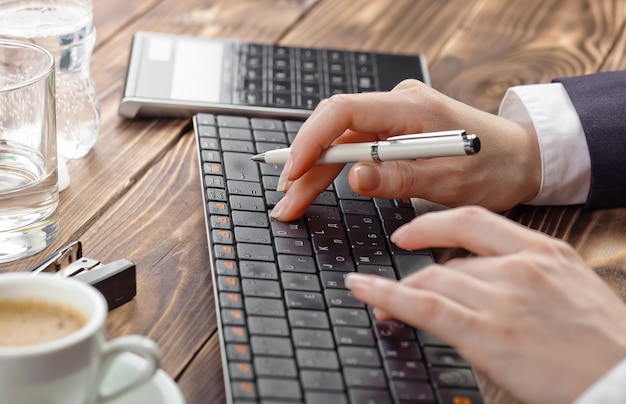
(137, 194)
(524, 42)
(159, 226)
(203, 381)
(400, 26)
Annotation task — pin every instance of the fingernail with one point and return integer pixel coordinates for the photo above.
(355, 280)
(397, 234)
(280, 207)
(284, 176)
(367, 177)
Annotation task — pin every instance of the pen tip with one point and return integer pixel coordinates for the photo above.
(258, 157)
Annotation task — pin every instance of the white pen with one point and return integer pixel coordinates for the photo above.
(404, 147)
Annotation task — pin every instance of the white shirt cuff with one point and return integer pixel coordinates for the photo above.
(609, 389)
(565, 163)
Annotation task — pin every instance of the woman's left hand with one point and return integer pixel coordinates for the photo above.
(526, 310)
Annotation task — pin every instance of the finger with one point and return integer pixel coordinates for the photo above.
(404, 84)
(461, 287)
(422, 309)
(405, 179)
(487, 269)
(301, 193)
(372, 113)
(473, 228)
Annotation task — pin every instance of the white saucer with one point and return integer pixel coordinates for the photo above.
(160, 390)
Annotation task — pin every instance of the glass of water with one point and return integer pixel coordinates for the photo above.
(29, 194)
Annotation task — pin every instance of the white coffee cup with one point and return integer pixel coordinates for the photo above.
(69, 369)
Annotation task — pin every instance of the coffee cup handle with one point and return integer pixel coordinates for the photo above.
(140, 345)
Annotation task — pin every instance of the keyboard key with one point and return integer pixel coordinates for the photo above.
(453, 377)
(233, 317)
(322, 380)
(249, 203)
(279, 389)
(303, 338)
(276, 346)
(342, 298)
(241, 370)
(273, 326)
(257, 306)
(304, 300)
(264, 124)
(205, 119)
(395, 348)
(235, 133)
(300, 281)
(333, 280)
(249, 219)
(361, 395)
(386, 271)
(407, 264)
(296, 263)
(326, 228)
(220, 222)
(364, 377)
(335, 262)
(227, 267)
(261, 288)
(243, 188)
(218, 208)
(454, 396)
(258, 252)
(413, 391)
(296, 229)
(243, 389)
(238, 166)
(275, 367)
(354, 336)
(233, 121)
(444, 357)
(238, 352)
(235, 334)
(427, 339)
(349, 317)
(393, 329)
(308, 319)
(317, 212)
(226, 252)
(359, 356)
(406, 369)
(317, 359)
(295, 246)
(258, 270)
(228, 284)
(315, 397)
(231, 300)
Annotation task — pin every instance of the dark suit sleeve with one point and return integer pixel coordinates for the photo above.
(600, 101)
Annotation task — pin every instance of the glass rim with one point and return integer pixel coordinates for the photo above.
(35, 78)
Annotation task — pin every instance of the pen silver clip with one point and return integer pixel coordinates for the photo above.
(460, 132)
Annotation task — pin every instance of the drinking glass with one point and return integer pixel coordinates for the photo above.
(29, 194)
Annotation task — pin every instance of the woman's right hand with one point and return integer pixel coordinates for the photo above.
(506, 172)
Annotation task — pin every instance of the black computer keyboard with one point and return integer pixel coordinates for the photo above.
(290, 77)
(289, 329)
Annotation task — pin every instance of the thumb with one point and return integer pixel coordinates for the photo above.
(388, 180)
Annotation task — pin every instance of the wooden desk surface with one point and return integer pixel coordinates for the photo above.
(137, 194)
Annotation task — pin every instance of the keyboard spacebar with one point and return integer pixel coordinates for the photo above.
(409, 263)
